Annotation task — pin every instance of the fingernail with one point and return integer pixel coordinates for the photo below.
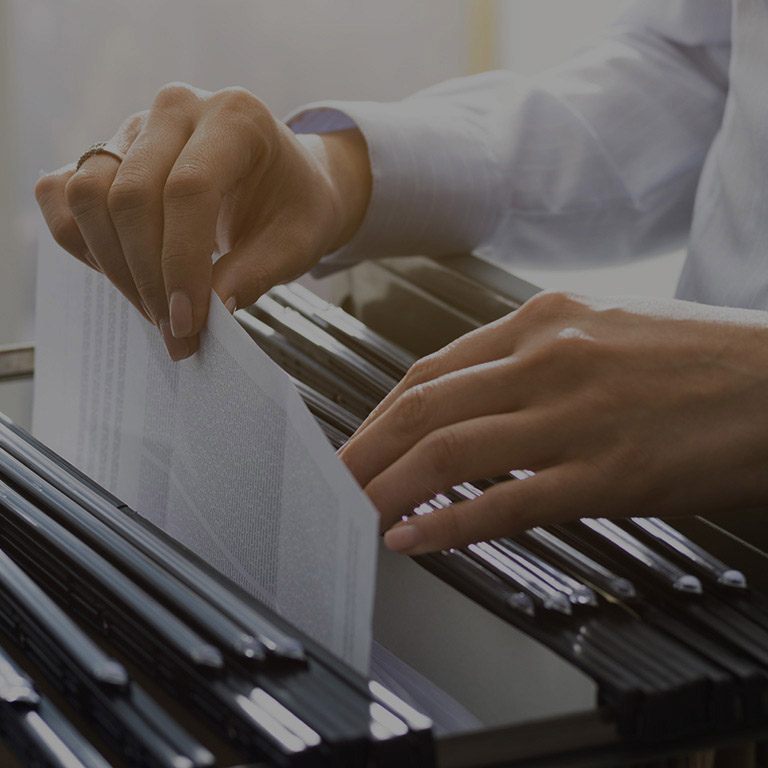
(402, 537)
(231, 305)
(180, 308)
(178, 349)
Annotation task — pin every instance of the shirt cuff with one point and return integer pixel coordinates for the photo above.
(435, 186)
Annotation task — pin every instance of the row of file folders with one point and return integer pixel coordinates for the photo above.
(120, 647)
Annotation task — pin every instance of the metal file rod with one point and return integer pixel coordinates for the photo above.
(17, 361)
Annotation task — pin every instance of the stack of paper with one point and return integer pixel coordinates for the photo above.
(218, 450)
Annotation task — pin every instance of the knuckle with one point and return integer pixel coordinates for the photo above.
(422, 370)
(130, 128)
(188, 181)
(64, 231)
(557, 298)
(550, 303)
(175, 254)
(258, 280)
(571, 349)
(444, 450)
(84, 191)
(531, 363)
(46, 187)
(135, 122)
(239, 101)
(173, 260)
(412, 413)
(174, 95)
(248, 120)
(127, 194)
(153, 295)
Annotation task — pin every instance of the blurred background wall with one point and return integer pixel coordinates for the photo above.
(71, 70)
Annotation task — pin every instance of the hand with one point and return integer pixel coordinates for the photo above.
(207, 173)
(620, 406)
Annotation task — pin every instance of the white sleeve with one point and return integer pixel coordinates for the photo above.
(594, 161)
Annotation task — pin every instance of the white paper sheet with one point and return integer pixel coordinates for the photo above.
(217, 450)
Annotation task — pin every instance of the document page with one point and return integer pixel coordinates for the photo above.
(217, 450)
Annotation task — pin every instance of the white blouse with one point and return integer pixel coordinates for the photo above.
(655, 136)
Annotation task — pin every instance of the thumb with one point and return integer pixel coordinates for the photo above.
(251, 268)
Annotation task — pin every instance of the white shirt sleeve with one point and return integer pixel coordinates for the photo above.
(594, 161)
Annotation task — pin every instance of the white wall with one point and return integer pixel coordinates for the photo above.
(89, 63)
(16, 255)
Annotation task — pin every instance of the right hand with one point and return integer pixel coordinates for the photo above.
(207, 173)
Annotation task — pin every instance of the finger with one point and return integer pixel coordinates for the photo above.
(551, 496)
(86, 194)
(256, 264)
(136, 205)
(224, 148)
(49, 192)
(484, 447)
(485, 344)
(424, 408)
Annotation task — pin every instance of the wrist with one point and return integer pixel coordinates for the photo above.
(348, 169)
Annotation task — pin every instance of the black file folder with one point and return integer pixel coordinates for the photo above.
(271, 693)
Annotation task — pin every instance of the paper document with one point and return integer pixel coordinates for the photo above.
(217, 450)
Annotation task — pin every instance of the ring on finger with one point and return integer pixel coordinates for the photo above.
(99, 148)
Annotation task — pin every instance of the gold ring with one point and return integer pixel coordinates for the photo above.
(100, 148)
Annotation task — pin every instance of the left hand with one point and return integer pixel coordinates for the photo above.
(620, 406)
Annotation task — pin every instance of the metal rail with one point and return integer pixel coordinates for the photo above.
(17, 361)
